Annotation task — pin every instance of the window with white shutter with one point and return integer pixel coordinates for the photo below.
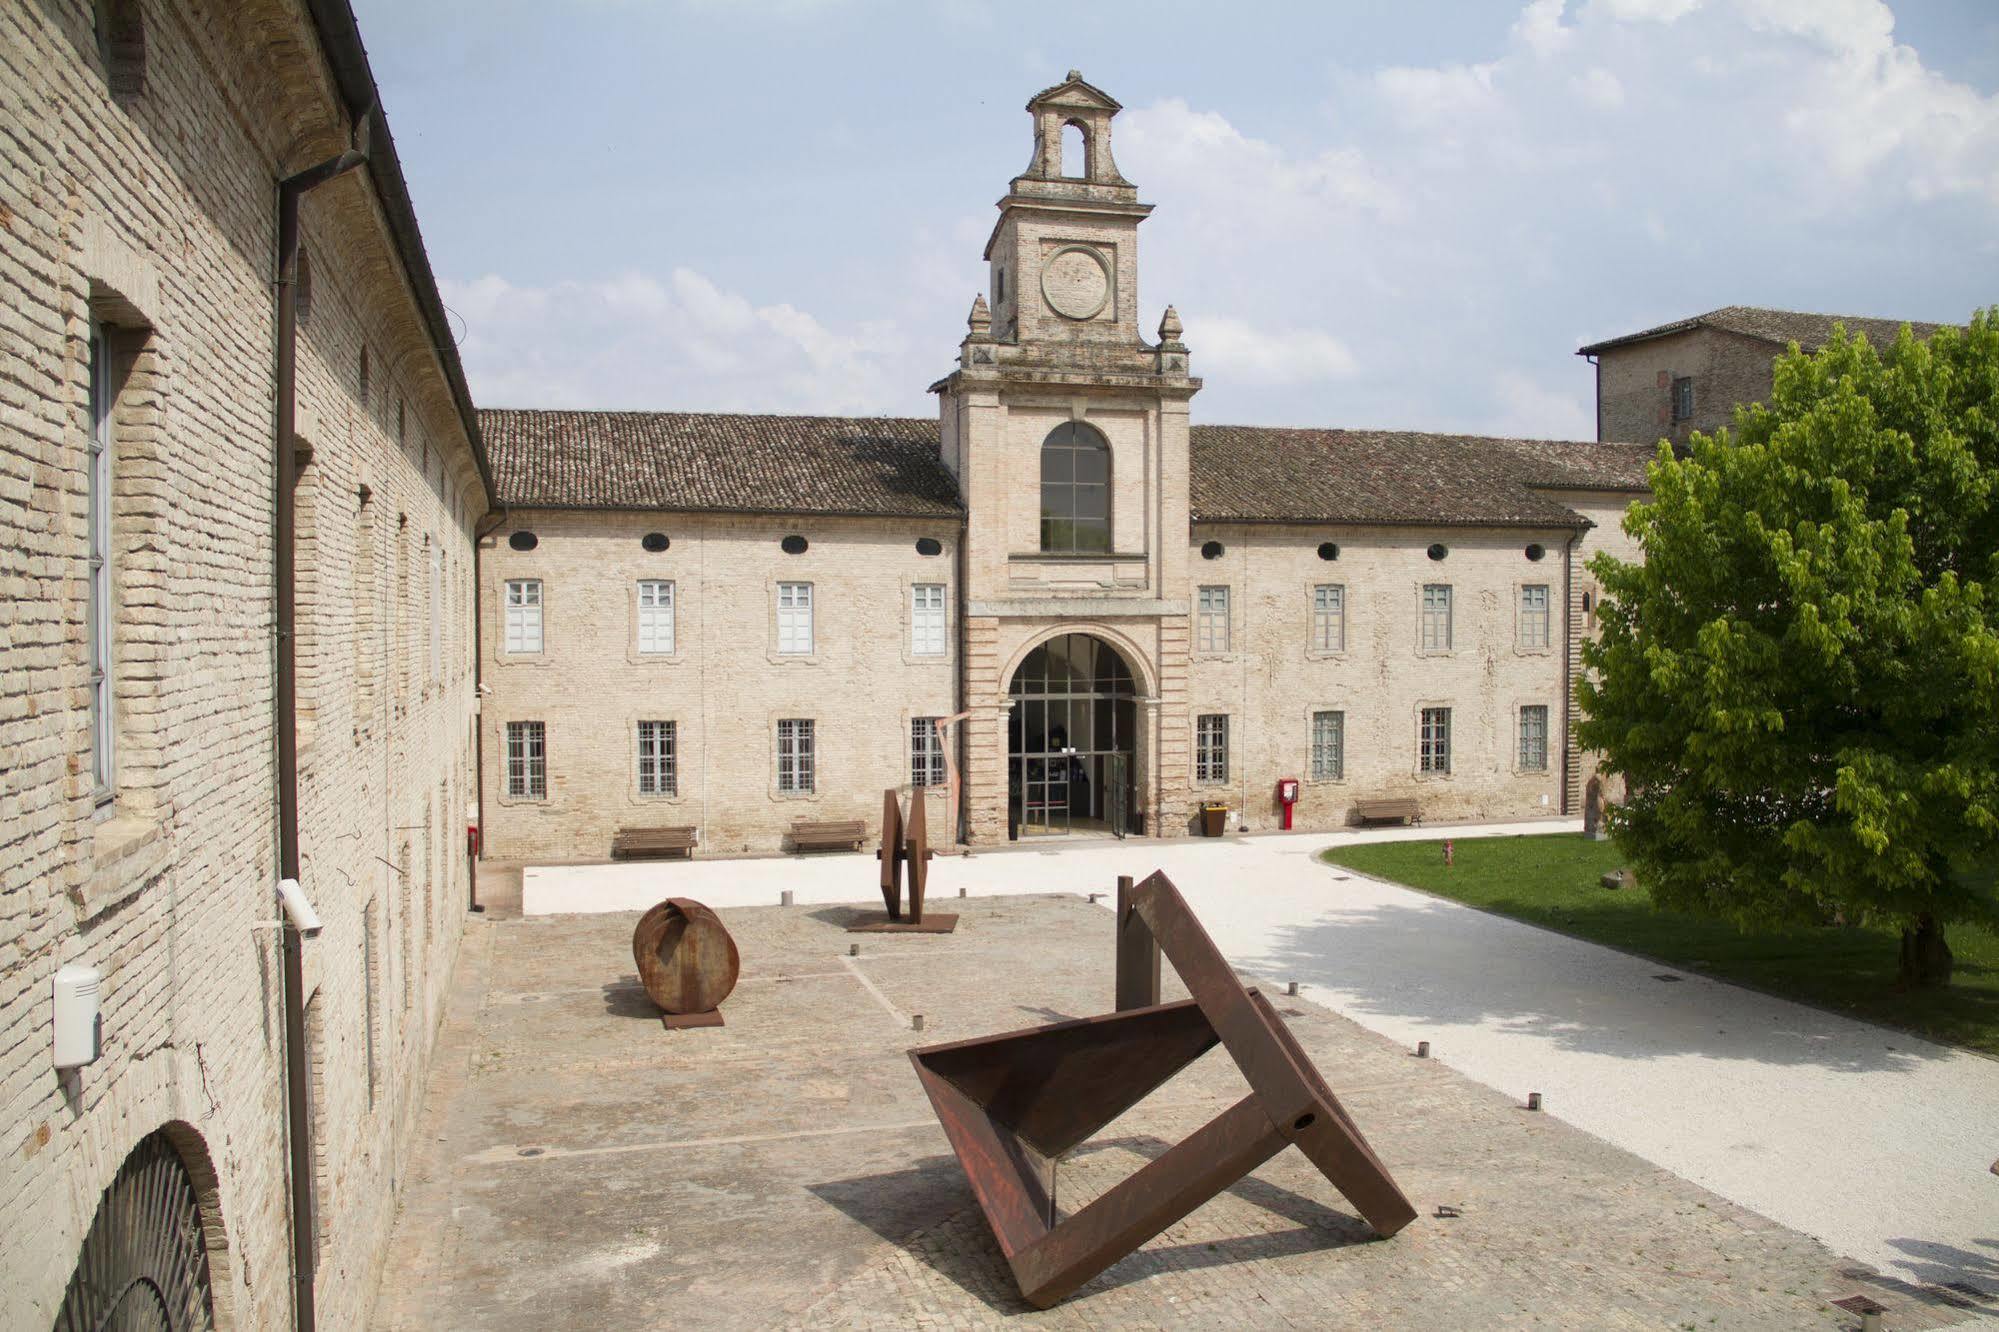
(523, 615)
(655, 616)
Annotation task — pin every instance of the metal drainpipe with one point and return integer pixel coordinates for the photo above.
(962, 831)
(298, 1104)
(1568, 647)
(480, 531)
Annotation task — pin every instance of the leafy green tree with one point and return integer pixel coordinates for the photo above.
(1800, 682)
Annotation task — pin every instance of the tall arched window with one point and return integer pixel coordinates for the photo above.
(1075, 490)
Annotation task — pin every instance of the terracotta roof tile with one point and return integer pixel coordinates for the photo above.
(1809, 331)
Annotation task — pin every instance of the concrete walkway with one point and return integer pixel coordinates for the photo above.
(1875, 1142)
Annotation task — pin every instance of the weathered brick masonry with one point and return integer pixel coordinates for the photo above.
(151, 212)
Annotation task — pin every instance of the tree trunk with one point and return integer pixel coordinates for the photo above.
(1926, 958)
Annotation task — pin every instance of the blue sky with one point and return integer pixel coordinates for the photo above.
(1368, 214)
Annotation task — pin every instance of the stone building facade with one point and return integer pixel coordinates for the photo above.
(1669, 381)
(1130, 616)
(138, 247)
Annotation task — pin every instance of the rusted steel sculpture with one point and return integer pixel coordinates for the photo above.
(1013, 1104)
(904, 846)
(687, 962)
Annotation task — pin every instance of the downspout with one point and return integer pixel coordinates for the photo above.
(1568, 656)
(1596, 367)
(298, 1103)
(961, 826)
(484, 528)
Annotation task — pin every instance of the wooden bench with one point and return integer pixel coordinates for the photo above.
(826, 836)
(1398, 809)
(639, 843)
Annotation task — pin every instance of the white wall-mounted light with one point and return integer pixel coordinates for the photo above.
(79, 1026)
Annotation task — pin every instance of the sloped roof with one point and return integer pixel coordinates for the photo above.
(1809, 331)
(733, 463)
(889, 466)
(1399, 477)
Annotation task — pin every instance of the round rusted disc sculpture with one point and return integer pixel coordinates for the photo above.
(686, 959)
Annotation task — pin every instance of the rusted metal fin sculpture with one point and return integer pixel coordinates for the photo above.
(687, 962)
(905, 846)
(1012, 1104)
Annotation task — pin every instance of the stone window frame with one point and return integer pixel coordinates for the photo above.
(1424, 636)
(638, 651)
(1521, 646)
(533, 761)
(1423, 710)
(811, 752)
(1079, 437)
(1313, 649)
(1520, 711)
(671, 760)
(1312, 715)
(1203, 621)
(507, 608)
(778, 588)
(943, 626)
(1205, 759)
(1680, 398)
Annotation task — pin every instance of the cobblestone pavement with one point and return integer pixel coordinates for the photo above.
(581, 1167)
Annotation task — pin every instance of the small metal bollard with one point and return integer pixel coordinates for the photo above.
(1422, 1049)
(1094, 897)
(916, 1022)
(1292, 988)
(784, 898)
(1533, 1100)
(853, 950)
(1870, 1321)
(961, 892)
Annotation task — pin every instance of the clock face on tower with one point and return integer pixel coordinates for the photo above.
(1076, 282)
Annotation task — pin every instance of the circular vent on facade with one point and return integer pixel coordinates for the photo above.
(1211, 550)
(1534, 551)
(929, 546)
(523, 541)
(792, 545)
(655, 542)
(143, 1265)
(1329, 550)
(1438, 551)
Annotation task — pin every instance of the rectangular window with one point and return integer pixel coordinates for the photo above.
(1211, 747)
(1433, 753)
(1683, 398)
(1211, 622)
(524, 615)
(795, 755)
(926, 619)
(1436, 617)
(527, 761)
(1329, 746)
(434, 607)
(657, 775)
(102, 760)
(794, 619)
(1534, 615)
(371, 972)
(1329, 618)
(1534, 738)
(655, 616)
(926, 753)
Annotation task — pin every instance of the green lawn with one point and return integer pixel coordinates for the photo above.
(1554, 881)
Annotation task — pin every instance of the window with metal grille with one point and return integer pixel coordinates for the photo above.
(1211, 747)
(1329, 746)
(926, 753)
(527, 761)
(1075, 490)
(1433, 752)
(1436, 617)
(655, 616)
(926, 619)
(434, 610)
(795, 756)
(1534, 738)
(1329, 617)
(1534, 615)
(794, 619)
(657, 774)
(103, 766)
(1211, 620)
(524, 615)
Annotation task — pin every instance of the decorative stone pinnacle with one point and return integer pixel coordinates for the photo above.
(1170, 327)
(1075, 76)
(980, 320)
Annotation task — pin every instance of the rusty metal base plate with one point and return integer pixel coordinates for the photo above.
(691, 1021)
(877, 922)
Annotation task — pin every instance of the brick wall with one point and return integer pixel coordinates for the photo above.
(154, 212)
(1635, 383)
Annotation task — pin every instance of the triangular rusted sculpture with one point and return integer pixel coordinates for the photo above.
(1012, 1104)
(904, 845)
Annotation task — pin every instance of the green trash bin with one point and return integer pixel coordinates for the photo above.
(1214, 820)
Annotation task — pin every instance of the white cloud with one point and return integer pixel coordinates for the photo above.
(1425, 98)
(1644, 11)
(1525, 408)
(1540, 28)
(1599, 87)
(1241, 351)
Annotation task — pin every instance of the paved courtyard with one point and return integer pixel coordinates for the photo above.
(581, 1167)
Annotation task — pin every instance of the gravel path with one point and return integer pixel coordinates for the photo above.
(1876, 1142)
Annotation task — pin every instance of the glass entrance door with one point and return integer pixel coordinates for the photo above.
(1069, 740)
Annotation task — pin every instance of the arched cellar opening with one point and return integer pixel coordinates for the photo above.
(144, 1264)
(1072, 741)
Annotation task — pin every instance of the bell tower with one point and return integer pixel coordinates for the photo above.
(1067, 431)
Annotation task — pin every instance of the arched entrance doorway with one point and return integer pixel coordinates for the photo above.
(1071, 741)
